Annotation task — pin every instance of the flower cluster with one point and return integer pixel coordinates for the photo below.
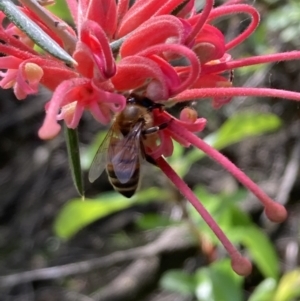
(165, 51)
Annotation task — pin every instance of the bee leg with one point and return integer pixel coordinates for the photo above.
(155, 129)
(152, 130)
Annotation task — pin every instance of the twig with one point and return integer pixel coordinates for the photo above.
(174, 238)
(59, 294)
(290, 175)
(287, 182)
(132, 281)
(74, 296)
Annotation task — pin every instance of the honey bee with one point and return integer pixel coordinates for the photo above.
(123, 148)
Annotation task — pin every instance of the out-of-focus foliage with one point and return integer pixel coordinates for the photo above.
(61, 10)
(179, 281)
(289, 287)
(237, 128)
(239, 228)
(216, 283)
(77, 214)
(285, 22)
(264, 291)
(219, 283)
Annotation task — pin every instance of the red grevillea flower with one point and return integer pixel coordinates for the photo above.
(165, 51)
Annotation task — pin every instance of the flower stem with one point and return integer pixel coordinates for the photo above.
(250, 61)
(274, 211)
(240, 265)
(193, 94)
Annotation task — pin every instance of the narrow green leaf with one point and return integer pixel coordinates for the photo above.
(43, 40)
(77, 214)
(288, 288)
(178, 281)
(74, 158)
(264, 291)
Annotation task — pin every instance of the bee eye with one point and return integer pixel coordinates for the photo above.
(131, 100)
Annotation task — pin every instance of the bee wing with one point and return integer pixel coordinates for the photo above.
(127, 155)
(102, 156)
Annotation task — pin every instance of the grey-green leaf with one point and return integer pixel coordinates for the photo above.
(43, 40)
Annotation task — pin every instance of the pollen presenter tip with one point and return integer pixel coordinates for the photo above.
(33, 72)
(189, 115)
(276, 213)
(241, 265)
